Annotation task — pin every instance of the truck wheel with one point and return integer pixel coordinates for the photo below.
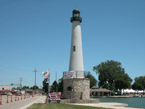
(58, 101)
(49, 101)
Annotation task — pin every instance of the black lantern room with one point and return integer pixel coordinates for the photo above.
(76, 15)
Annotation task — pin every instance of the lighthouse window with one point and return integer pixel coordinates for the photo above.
(73, 48)
(76, 15)
(69, 88)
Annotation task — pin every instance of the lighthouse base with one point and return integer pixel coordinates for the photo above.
(76, 89)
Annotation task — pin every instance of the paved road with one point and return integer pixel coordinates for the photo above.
(18, 104)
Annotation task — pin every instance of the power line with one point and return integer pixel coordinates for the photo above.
(15, 68)
(26, 81)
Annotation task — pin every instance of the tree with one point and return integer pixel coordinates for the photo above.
(93, 80)
(34, 87)
(60, 85)
(122, 81)
(54, 87)
(106, 86)
(140, 80)
(137, 86)
(45, 86)
(109, 71)
(25, 87)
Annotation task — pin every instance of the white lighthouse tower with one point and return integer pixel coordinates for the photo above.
(75, 86)
(76, 53)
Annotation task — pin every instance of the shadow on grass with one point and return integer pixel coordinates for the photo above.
(60, 106)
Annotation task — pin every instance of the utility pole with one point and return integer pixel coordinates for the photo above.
(18, 82)
(56, 81)
(35, 80)
(21, 83)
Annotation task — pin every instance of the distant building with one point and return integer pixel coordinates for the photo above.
(130, 91)
(96, 91)
(5, 88)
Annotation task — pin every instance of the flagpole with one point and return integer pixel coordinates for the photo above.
(49, 82)
(47, 74)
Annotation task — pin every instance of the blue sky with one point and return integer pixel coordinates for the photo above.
(37, 34)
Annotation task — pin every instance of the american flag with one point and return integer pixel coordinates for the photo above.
(46, 73)
(46, 77)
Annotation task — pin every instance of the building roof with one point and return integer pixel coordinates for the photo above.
(100, 90)
(5, 90)
(75, 11)
(94, 87)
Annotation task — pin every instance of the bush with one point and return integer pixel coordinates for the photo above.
(112, 93)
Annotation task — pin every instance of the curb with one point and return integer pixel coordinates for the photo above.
(30, 104)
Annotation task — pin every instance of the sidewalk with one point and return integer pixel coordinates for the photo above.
(21, 104)
(42, 100)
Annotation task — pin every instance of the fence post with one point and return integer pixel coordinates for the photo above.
(11, 98)
(7, 99)
(0, 99)
(21, 96)
(18, 97)
(15, 98)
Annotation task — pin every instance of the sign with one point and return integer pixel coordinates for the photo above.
(46, 73)
(15, 84)
(68, 75)
(54, 96)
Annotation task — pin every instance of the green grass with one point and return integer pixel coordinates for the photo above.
(60, 106)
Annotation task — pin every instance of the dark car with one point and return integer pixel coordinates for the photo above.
(18, 93)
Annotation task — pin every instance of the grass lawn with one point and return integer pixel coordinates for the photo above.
(60, 106)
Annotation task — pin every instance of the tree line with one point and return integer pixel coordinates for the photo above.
(33, 87)
(111, 76)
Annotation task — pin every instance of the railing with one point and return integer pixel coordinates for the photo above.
(73, 74)
(76, 19)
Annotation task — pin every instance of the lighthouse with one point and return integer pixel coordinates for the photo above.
(76, 52)
(75, 86)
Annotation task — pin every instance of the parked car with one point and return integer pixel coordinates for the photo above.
(3, 93)
(9, 94)
(18, 93)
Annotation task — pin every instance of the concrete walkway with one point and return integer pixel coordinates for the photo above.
(21, 104)
(40, 100)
